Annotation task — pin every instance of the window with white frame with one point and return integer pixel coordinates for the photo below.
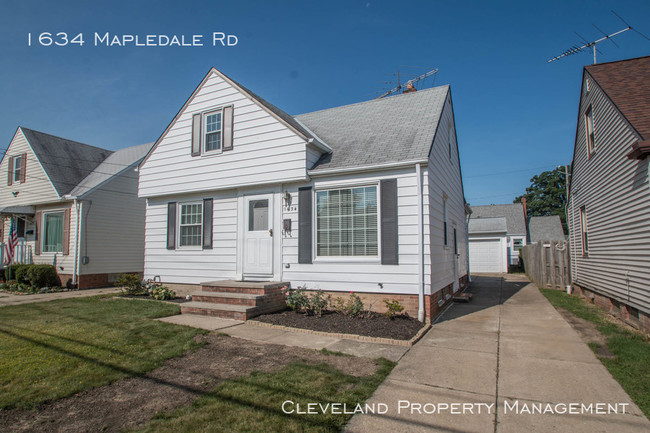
(18, 166)
(589, 128)
(347, 222)
(53, 232)
(213, 130)
(444, 221)
(190, 224)
(583, 230)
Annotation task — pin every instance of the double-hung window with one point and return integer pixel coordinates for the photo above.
(347, 222)
(589, 128)
(213, 132)
(53, 233)
(18, 167)
(190, 224)
(583, 231)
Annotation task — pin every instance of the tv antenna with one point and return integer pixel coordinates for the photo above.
(400, 86)
(578, 49)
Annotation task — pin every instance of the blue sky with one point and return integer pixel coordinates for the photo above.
(515, 114)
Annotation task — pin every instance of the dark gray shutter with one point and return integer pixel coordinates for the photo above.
(304, 225)
(38, 219)
(389, 240)
(196, 135)
(10, 171)
(207, 224)
(66, 232)
(227, 127)
(171, 226)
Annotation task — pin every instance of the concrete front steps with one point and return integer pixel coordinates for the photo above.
(239, 300)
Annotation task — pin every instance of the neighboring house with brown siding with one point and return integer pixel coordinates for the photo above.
(365, 197)
(75, 206)
(609, 199)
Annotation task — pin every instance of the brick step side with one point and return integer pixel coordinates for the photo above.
(226, 311)
(241, 290)
(250, 300)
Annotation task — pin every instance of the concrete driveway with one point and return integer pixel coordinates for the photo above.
(499, 359)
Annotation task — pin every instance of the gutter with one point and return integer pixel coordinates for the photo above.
(316, 173)
(421, 316)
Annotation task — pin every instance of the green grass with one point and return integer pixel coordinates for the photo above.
(54, 349)
(254, 403)
(631, 350)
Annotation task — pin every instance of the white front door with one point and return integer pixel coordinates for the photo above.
(258, 236)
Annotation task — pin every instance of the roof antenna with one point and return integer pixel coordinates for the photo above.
(578, 49)
(410, 82)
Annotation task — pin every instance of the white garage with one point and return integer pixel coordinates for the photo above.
(488, 246)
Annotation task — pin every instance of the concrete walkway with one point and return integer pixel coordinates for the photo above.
(507, 347)
(239, 329)
(11, 299)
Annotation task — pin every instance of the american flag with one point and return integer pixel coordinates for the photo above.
(11, 243)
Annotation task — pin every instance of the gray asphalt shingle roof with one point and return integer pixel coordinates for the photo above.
(487, 225)
(65, 162)
(513, 213)
(545, 228)
(392, 129)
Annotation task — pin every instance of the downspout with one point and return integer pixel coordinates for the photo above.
(469, 214)
(418, 175)
(79, 209)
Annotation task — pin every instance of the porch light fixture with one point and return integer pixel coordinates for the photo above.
(287, 198)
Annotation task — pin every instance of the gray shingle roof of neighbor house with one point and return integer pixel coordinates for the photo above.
(487, 225)
(545, 228)
(513, 213)
(393, 129)
(116, 163)
(65, 162)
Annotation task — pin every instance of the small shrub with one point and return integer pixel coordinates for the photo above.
(296, 299)
(393, 308)
(317, 303)
(130, 284)
(18, 272)
(352, 307)
(162, 293)
(42, 276)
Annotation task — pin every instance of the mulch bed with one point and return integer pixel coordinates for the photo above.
(370, 324)
(131, 402)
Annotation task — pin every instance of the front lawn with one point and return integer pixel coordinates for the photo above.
(254, 403)
(631, 350)
(54, 349)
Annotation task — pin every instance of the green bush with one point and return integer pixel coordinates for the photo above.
(17, 272)
(296, 299)
(393, 308)
(352, 307)
(162, 293)
(42, 276)
(317, 303)
(131, 284)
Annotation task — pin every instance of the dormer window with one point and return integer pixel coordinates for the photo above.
(589, 129)
(17, 166)
(212, 131)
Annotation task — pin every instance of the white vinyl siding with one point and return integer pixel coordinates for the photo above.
(615, 193)
(37, 187)
(112, 233)
(347, 222)
(442, 179)
(265, 151)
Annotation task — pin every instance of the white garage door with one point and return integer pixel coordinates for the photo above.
(485, 255)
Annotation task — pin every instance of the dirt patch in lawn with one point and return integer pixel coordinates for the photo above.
(588, 332)
(133, 401)
(371, 325)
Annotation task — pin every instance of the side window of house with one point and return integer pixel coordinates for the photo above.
(589, 129)
(445, 231)
(584, 230)
(347, 222)
(16, 169)
(449, 137)
(517, 244)
(190, 224)
(53, 232)
(212, 131)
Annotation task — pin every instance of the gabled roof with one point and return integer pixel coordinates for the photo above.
(116, 163)
(487, 225)
(394, 129)
(545, 228)
(627, 84)
(513, 213)
(65, 162)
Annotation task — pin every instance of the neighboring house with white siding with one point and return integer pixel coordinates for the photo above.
(497, 233)
(609, 199)
(366, 197)
(74, 205)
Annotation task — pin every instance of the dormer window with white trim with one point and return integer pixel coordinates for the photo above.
(589, 129)
(18, 164)
(213, 130)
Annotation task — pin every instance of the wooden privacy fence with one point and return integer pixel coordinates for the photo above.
(548, 263)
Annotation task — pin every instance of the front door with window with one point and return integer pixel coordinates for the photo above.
(258, 236)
